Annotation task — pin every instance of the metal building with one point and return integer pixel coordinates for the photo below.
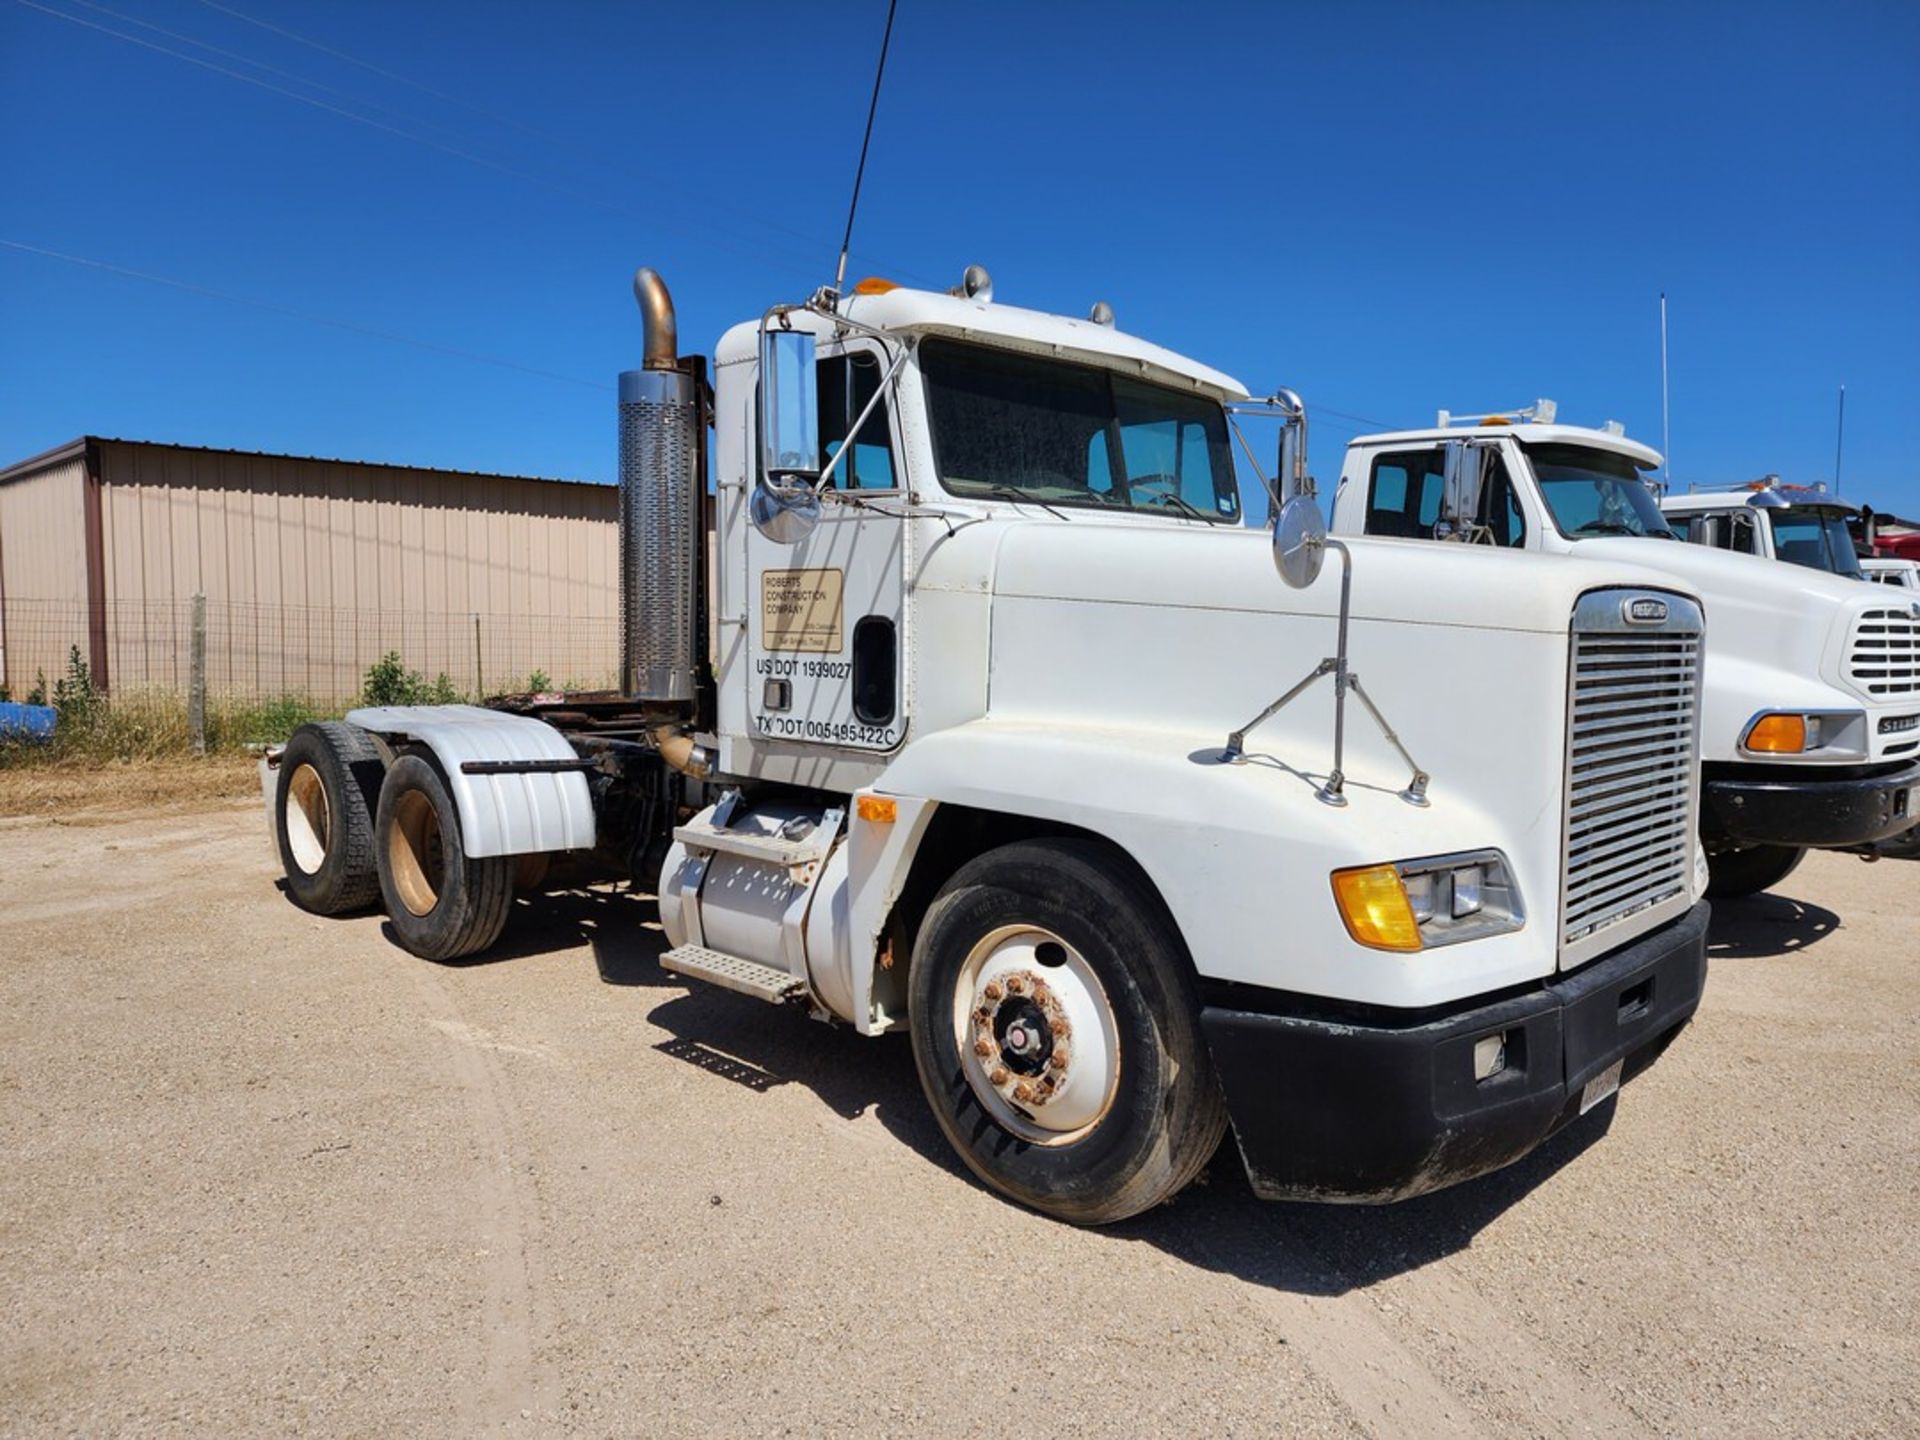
(310, 568)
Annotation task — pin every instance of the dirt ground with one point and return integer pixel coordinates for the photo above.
(267, 1173)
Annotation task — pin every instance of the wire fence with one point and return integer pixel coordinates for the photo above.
(144, 653)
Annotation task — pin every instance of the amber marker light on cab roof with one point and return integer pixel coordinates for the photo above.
(874, 285)
(1373, 902)
(1778, 735)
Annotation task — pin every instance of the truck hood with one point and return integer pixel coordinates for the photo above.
(1779, 636)
(1210, 567)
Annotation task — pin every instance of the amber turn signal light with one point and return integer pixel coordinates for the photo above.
(1778, 735)
(1373, 902)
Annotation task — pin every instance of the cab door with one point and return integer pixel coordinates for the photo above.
(825, 618)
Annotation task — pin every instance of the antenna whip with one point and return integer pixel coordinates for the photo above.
(873, 105)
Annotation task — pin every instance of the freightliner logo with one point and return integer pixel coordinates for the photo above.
(1644, 611)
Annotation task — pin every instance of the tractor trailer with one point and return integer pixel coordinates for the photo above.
(1811, 719)
(949, 706)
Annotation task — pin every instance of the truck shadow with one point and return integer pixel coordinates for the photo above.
(1758, 926)
(1216, 1224)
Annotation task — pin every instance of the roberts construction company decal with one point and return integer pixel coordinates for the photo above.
(800, 610)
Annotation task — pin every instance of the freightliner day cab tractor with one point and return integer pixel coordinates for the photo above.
(928, 722)
(1811, 728)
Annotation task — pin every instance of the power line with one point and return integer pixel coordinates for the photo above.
(262, 65)
(353, 327)
(560, 140)
(726, 239)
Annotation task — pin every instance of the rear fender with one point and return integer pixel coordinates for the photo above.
(516, 813)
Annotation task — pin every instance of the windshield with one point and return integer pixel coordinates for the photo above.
(1596, 492)
(1018, 427)
(1815, 538)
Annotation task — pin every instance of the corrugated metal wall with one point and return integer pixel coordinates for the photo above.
(43, 557)
(312, 568)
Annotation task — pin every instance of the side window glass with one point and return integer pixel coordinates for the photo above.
(1099, 472)
(1743, 537)
(846, 384)
(1150, 451)
(1403, 494)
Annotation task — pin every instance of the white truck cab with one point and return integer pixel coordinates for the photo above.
(1902, 575)
(1811, 725)
(1794, 523)
(950, 707)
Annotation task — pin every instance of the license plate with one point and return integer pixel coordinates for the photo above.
(1601, 1086)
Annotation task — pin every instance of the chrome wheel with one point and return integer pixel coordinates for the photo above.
(1036, 1034)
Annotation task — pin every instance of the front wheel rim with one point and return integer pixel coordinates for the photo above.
(1038, 1039)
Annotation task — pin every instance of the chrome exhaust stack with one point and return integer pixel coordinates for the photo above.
(660, 485)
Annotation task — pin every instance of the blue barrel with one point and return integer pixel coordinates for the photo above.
(26, 722)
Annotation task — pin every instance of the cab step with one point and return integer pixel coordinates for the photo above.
(732, 972)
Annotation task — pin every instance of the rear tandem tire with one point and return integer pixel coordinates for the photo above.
(443, 903)
(323, 817)
(1733, 873)
(1045, 949)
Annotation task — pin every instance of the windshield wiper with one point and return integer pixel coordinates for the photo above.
(1608, 527)
(1021, 497)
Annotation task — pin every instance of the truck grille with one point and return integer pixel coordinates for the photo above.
(1885, 656)
(1632, 743)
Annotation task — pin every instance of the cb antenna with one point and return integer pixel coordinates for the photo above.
(1666, 440)
(873, 105)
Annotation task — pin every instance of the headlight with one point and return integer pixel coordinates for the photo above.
(1832, 734)
(1416, 904)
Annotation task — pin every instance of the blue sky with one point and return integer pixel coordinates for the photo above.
(1390, 208)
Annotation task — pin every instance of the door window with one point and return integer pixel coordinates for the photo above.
(846, 384)
(1406, 487)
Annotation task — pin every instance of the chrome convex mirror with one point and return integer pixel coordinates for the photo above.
(1299, 542)
(784, 505)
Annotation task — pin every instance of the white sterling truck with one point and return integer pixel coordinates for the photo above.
(1795, 523)
(1811, 728)
(963, 702)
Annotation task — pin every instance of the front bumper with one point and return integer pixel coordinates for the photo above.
(1771, 805)
(1368, 1111)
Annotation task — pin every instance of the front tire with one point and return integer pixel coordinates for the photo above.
(443, 903)
(323, 817)
(1733, 873)
(1056, 1032)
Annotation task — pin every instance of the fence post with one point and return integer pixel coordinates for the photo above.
(197, 677)
(479, 681)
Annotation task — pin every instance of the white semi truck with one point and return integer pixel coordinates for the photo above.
(947, 708)
(1811, 727)
(1794, 523)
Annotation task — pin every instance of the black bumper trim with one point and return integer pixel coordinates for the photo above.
(1325, 1110)
(1793, 810)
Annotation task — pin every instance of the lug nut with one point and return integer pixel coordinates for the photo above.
(999, 1075)
(982, 1048)
(992, 992)
(1017, 985)
(1059, 1027)
(1058, 1060)
(1023, 1092)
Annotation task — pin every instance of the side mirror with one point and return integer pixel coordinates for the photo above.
(1293, 480)
(1464, 476)
(1702, 531)
(784, 506)
(1299, 542)
(789, 417)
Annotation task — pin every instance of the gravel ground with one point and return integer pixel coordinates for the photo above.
(267, 1173)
